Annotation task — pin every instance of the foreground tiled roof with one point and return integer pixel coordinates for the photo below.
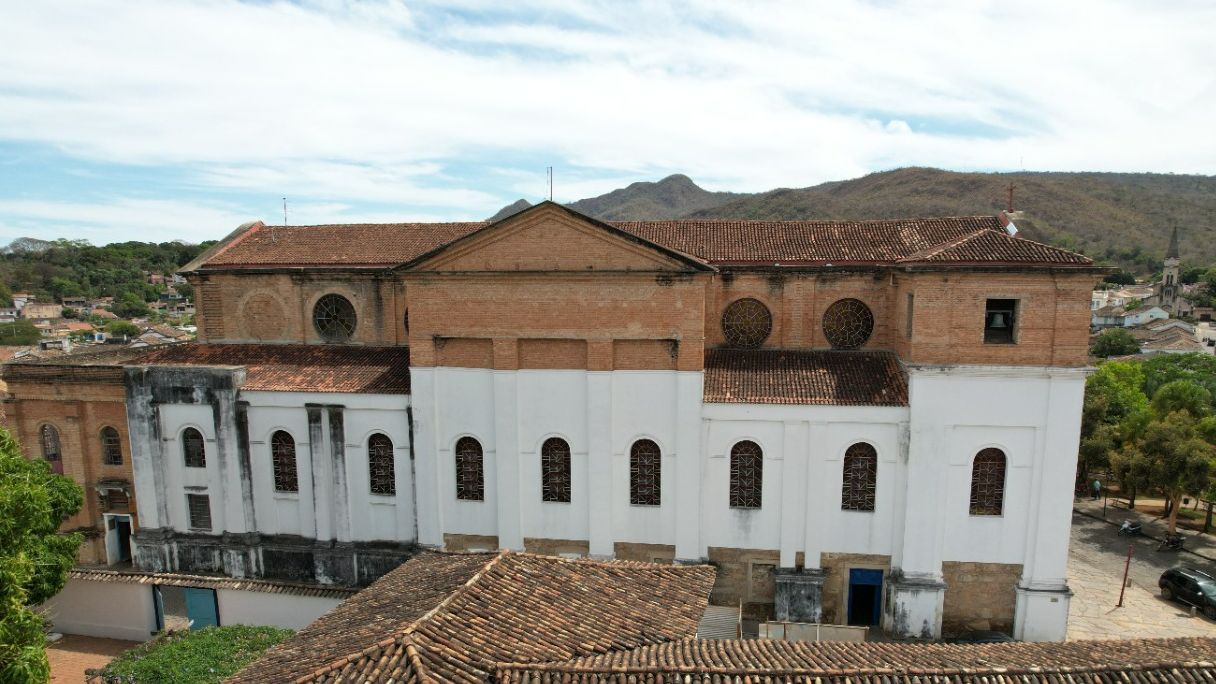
(296, 367)
(379, 612)
(839, 378)
(175, 579)
(968, 240)
(504, 607)
(1147, 661)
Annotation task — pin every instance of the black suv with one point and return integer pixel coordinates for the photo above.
(1190, 586)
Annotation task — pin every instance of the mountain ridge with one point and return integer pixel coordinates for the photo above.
(1122, 219)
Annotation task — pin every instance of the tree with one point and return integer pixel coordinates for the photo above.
(1120, 278)
(1115, 342)
(34, 556)
(1165, 368)
(1172, 458)
(19, 334)
(122, 329)
(1182, 395)
(130, 305)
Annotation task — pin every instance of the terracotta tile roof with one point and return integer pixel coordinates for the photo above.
(512, 607)
(296, 367)
(838, 378)
(359, 245)
(210, 582)
(931, 241)
(378, 613)
(1150, 661)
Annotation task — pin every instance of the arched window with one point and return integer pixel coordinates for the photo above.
(50, 447)
(746, 323)
(283, 462)
(470, 473)
(848, 324)
(194, 448)
(988, 482)
(746, 475)
(382, 472)
(555, 470)
(334, 318)
(645, 473)
(111, 446)
(860, 476)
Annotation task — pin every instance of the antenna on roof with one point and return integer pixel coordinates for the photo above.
(549, 171)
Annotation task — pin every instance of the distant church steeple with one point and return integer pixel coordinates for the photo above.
(1170, 275)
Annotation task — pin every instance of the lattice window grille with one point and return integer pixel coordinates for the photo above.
(848, 324)
(334, 318)
(199, 506)
(50, 443)
(988, 483)
(645, 473)
(283, 462)
(470, 470)
(746, 475)
(111, 446)
(382, 472)
(194, 448)
(860, 478)
(555, 470)
(746, 323)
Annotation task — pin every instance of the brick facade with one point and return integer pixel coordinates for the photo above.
(79, 403)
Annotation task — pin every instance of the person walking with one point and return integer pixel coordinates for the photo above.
(1097, 487)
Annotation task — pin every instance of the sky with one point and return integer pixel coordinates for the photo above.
(178, 120)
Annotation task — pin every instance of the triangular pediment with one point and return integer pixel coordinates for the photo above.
(550, 237)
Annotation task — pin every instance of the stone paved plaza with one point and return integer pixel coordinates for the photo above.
(1095, 569)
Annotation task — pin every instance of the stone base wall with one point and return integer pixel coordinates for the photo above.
(470, 542)
(979, 596)
(278, 557)
(645, 553)
(747, 576)
(836, 584)
(556, 547)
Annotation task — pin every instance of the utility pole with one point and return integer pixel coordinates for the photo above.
(1126, 566)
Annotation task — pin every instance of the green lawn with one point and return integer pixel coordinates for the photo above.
(204, 656)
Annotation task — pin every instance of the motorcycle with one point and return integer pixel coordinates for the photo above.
(1171, 542)
(1130, 528)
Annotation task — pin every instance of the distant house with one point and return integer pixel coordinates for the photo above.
(76, 302)
(9, 314)
(1119, 317)
(42, 312)
(105, 314)
(20, 299)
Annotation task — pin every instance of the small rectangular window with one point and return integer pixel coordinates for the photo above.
(908, 316)
(200, 511)
(1000, 321)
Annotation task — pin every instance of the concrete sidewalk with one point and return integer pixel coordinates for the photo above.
(1116, 511)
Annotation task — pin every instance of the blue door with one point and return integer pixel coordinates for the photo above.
(865, 597)
(201, 608)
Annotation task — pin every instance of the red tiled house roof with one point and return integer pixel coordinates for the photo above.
(838, 378)
(297, 367)
(268, 367)
(968, 240)
(512, 607)
(690, 661)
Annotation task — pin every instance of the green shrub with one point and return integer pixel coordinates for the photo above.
(204, 656)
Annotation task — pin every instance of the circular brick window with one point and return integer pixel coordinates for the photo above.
(746, 323)
(334, 318)
(848, 324)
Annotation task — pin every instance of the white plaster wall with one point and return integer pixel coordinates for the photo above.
(280, 512)
(272, 610)
(113, 610)
(804, 450)
(466, 401)
(174, 419)
(553, 404)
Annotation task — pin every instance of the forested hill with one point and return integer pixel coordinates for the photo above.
(1119, 219)
(64, 268)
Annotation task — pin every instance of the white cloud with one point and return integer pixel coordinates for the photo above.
(392, 102)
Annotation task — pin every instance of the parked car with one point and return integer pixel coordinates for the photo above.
(1190, 586)
(982, 637)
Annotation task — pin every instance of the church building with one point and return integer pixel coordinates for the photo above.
(856, 422)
